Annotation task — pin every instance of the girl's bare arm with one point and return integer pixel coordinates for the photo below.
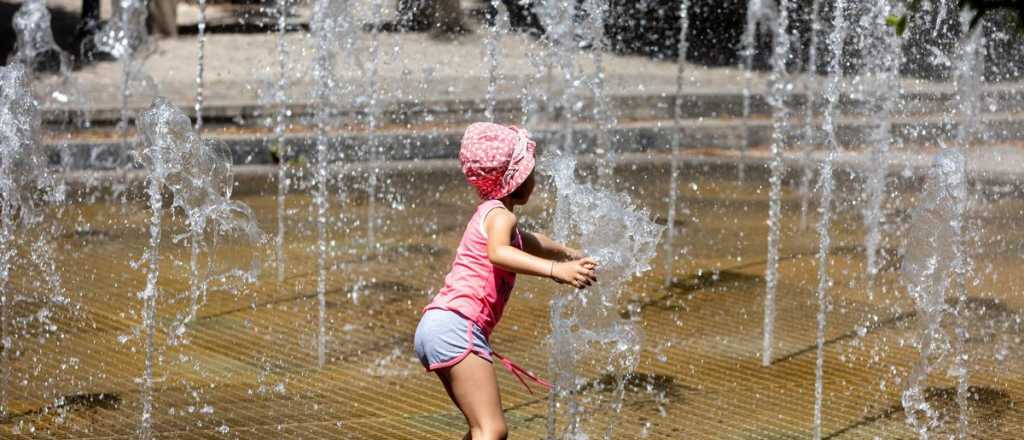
(499, 224)
(544, 247)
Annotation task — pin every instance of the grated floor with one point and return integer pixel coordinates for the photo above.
(247, 367)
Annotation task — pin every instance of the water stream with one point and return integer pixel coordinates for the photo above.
(755, 16)
(677, 135)
(778, 94)
(328, 17)
(809, 139)
(197, 175)
(125, 38)
(597, 14)
(26, 185)
(882, 95)
(586, 327)
(825, 188)
(933, 265)
(491, 43)
(200, 64)
(374, 113)
(281, 146)
(567, 81)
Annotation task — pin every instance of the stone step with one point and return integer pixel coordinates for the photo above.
(442, 141)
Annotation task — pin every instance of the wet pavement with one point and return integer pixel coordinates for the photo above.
(248, 365)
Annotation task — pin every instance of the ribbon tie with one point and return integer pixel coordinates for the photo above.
(519, 372)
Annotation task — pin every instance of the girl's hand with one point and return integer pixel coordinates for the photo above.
(579, 273)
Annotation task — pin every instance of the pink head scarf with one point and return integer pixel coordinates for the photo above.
(496, 158)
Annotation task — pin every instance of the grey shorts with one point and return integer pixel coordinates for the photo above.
(444, 338)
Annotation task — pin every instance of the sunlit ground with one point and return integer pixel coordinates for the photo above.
(248, 365)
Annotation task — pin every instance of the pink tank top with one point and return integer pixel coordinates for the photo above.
(478, 290)
(475, 288)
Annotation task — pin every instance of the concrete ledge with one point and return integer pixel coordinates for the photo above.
(625, 107)
(443, 141)
(988, 168)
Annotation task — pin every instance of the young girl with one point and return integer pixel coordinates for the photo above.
(452, 336)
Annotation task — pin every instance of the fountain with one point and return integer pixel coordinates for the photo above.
(916, 320)
(882, 71)
(610, 228)
(777, 96)
(809, 140)
(500, 26)
(35, 46)
(373, 121)
(605, 225)
(329, 22)
(677, 110)
(935, 265)
(198, 178)
(25, 185)
(826, 185)
(281, 145)
(200, 64)
(756, 15)
(597, 13)
(124, 37)
(37, 51)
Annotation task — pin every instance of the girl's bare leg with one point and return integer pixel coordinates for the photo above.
(473, 386)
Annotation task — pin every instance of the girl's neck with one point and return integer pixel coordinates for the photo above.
(508, 204)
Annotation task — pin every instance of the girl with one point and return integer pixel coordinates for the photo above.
(452, 336)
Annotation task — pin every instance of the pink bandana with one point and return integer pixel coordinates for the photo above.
(496, 159)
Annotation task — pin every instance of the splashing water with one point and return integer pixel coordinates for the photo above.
(610, 228)
(535, 100)
(36, 49)
(198, 174)
(23, 160)
(125, 38)
(199, 178)
(967, 80)
(934, 263)
(125, 33)
(24, 184)
(35, 46)
(322, 70)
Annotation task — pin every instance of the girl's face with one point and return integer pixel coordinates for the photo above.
(522, 194)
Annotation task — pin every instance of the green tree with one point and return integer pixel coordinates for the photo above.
(982, 7)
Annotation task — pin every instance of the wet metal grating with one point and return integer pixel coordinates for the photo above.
(248, 365)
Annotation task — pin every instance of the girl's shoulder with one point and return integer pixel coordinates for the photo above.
(499, 217)
(496, 211)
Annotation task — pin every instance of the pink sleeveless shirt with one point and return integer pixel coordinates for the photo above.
(475, 288)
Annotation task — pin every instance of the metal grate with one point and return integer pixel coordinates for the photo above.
(249, 368)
